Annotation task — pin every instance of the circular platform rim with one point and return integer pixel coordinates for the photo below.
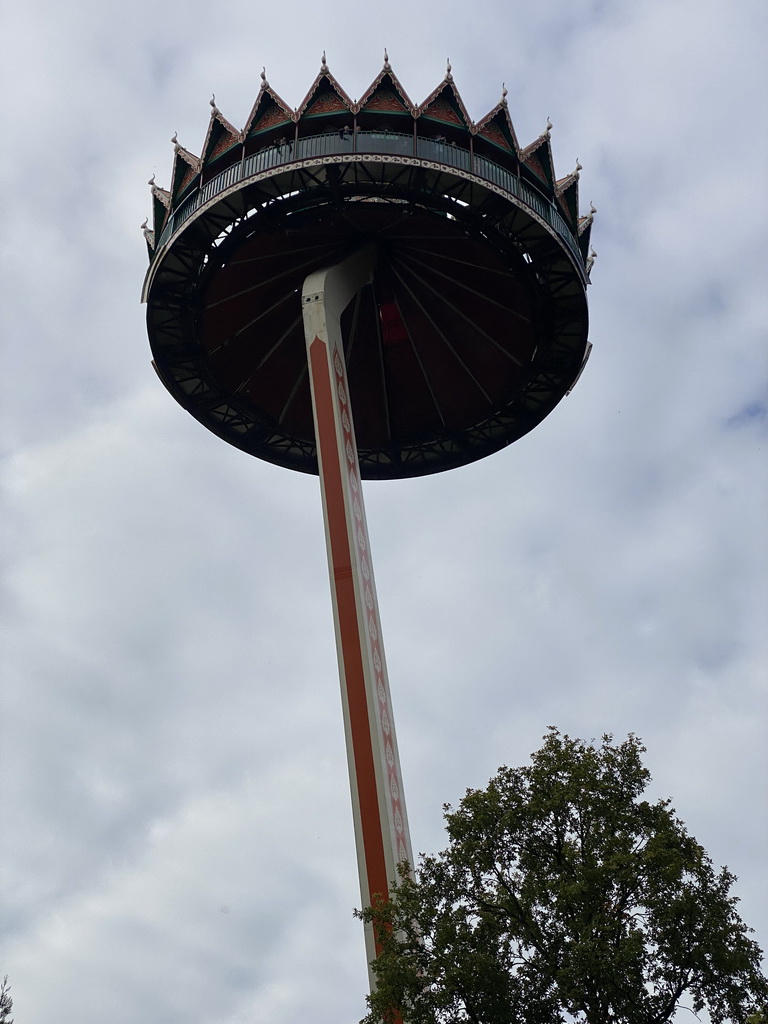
(371, 470)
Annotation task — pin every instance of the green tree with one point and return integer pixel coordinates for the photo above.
(6, 1003)
(563, 895)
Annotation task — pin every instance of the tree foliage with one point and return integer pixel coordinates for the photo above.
(6, 1002)
(564, 895)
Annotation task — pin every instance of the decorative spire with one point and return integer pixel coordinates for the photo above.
(550, 126)
(175, 141)
(264, 82)
(324, 64)
(212, 101)
(387, 65)
(448, 75)
(149, 234)
(152, 179)
(578, 167)
(504, 92)
(590, 261)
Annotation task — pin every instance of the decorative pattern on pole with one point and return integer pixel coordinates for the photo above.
(381, 823)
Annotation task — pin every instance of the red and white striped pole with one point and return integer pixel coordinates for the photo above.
(378, 804)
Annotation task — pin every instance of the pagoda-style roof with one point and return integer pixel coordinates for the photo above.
(585, 231)
(567, 195)
(275, 132)
(325, 96)
(537, 156)
(497, 128)
(495, 136)
(445, 104)
(222, 137)
(269, 110)
(186, 167)
(161, 207)
(385, 95)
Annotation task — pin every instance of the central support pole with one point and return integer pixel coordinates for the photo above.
(378, 805)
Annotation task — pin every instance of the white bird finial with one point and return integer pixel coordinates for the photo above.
(175, 140)
(324, 65)
(550, 126)
(448, 75)
(504, 92)
(592, 209)
(151, 180)
(212, 101)
(578, 166)
(386, 59)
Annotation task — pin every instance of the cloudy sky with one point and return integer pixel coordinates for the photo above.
(176, 835)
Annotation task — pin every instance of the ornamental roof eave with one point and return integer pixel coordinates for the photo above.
(539, 154)
(270, 113)
(161, 195)
(449, 86)
(585, 231)
(161, 207)
(567, 192)
(186, 166)
(388, 74)
(563, 184)
(324, 75)
(218, 128)
(499, 115)
(149, 238)
(266, 96)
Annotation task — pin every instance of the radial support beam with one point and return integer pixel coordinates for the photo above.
(381, 824)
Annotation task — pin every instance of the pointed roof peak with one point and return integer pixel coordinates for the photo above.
(585, 222)
(386, 75)
(221, 135)
(161, 193)
(497, 127)
(217, 116)
(267, 99)
(434, 99)
(565, 183)
(326, 74)
(180, 151)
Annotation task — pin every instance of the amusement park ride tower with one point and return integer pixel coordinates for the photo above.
(367, 289)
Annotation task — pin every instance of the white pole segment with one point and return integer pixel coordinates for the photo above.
(381, 823)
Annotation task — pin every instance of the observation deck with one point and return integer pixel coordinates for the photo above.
(358, 145)
(475, 323)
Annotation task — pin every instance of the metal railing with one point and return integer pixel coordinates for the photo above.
(335, 143)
